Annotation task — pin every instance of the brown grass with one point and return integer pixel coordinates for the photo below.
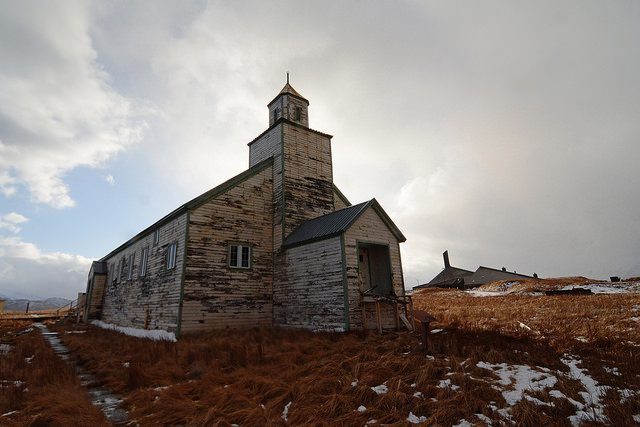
(38, 385)
(248, 377)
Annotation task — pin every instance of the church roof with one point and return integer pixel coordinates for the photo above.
(195, 202)
(289, 90)
(335, 223)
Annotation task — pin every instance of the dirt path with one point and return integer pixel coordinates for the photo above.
(100, 397)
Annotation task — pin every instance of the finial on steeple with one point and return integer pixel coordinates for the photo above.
(287, 77)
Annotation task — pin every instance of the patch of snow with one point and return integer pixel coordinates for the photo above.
(599, 288)
(285, 412)
(636, 418)
(581, 339)
(5, 383)
(413, 419)
(447, 384)
(9, 413)
(635, 308)
(463, 423)
(435, 331)
(635, 319)
(126, 364)
(372, 422)
(474, 293)
(380, 389)
(613, 371)
(155, 334)
(484, 418)
(537, 401)
(413, 385)
(430, 357)
(591, 397)
(29, 359)
(418, 395)
(75, 332)
(521, 378)
(361, 408)
(5, 348)
(354, 383)
(625, 394)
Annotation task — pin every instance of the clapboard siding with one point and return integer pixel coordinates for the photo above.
(154, 299)
(308, 176)
(216, 295)
(311, 294)
(370, 228)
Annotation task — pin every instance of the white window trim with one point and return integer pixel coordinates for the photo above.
(130, 270)
(238, 264)
(172, 251)
(144, 258)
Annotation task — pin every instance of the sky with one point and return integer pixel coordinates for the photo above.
(507, 133)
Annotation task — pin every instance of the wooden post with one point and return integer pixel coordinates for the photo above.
(425, 319)
(27, 310)
(379, 317)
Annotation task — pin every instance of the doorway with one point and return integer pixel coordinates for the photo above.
(374, 269)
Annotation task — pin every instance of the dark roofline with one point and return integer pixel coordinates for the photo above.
(387, 220)
(195, 202)
(342, 196)
(285, 120)
(507, 271)
(361, 207)
(373, 203)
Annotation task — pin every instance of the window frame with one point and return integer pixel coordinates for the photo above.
(144, 258)
(239, 256)
(156, 236)
(130, 266)
(171, 256)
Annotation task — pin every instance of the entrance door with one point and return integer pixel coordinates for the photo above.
(374, 269)
(363, 270)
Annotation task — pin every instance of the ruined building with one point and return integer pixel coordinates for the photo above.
(278, 244)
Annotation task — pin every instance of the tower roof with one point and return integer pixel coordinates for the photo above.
(289, 90)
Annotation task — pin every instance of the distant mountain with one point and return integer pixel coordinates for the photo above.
(20, 305)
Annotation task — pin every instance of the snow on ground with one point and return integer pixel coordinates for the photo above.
(5, 348)
(594, 410)
(155, 334)
(521, 377)
(380, 389)
(463, 423)
(285, 412)
(362, 408)
(414, 419)
(447, 384)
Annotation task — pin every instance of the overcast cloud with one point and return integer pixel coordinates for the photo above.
(505, 132)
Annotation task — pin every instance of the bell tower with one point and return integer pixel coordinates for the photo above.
(290, 105)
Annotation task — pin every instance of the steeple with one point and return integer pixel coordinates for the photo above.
(290, 105)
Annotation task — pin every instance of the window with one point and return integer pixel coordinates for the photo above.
(240, 256)
(156, 237)
(130, 270)
(297, 115)
(112, 272)
(143, 262)
(171, 256)
(121, 266)
(276, 114)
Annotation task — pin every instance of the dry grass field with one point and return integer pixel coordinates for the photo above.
(515, 359)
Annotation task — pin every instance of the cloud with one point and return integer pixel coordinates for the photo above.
(27, 271)
(57, 109)
(11, 221)
(109, 179)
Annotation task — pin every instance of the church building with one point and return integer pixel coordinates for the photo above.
(277, 245)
